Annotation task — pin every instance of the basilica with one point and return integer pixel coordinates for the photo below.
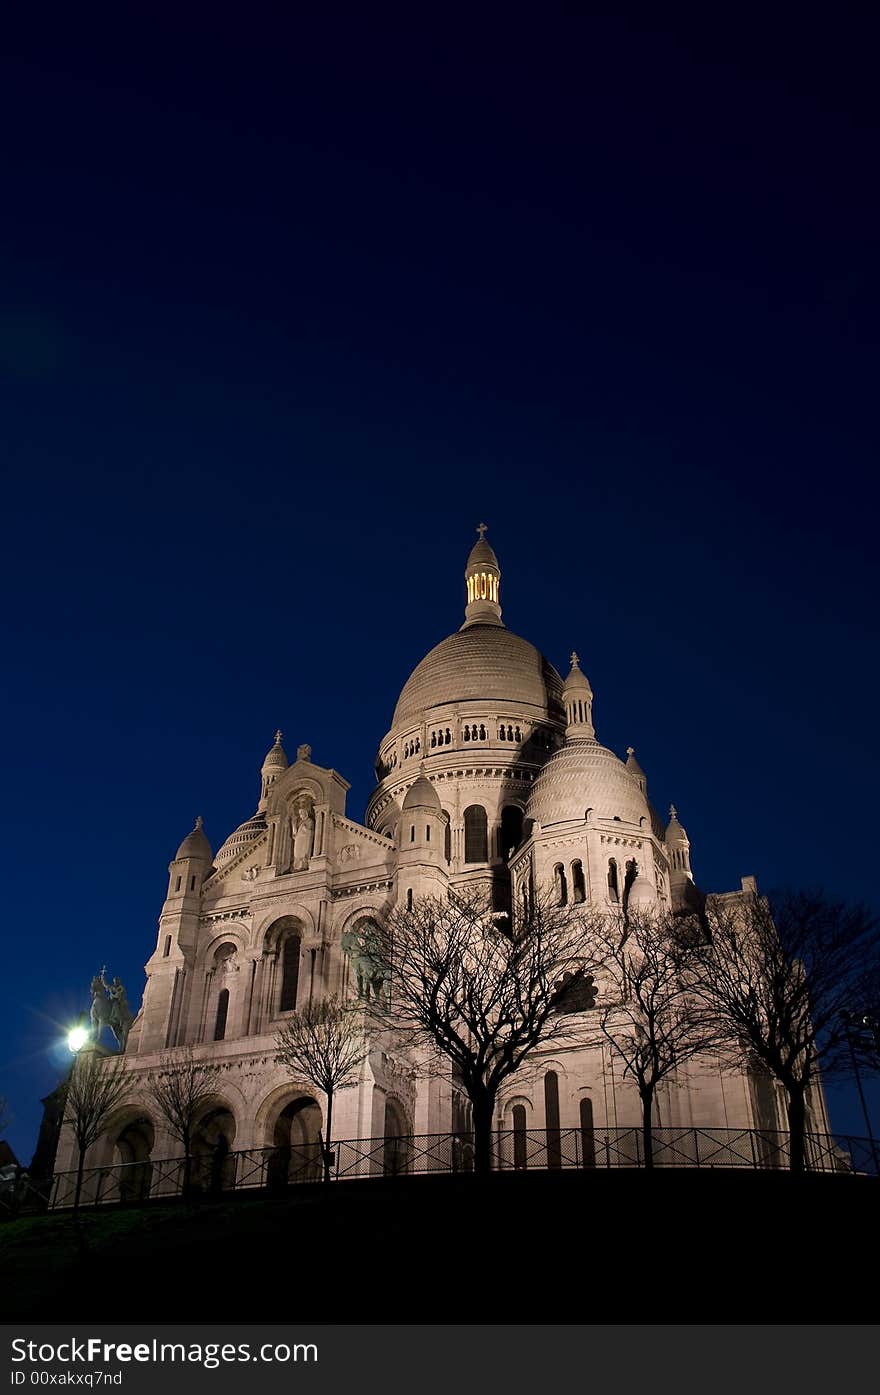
(490, 776)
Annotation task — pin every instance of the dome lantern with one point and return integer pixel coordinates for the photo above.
(482, 577)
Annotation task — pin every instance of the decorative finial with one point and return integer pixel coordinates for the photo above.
(481, 529)
(673, 812)
(304, 752)
(574, 659)
(278, 737)
(198, 820)
(630, 750)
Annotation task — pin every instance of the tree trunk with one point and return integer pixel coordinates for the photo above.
(79, 1179)
(648, 1128)
(797, 1127)
(483, 1109)
(187, 1164)
(329, 1136)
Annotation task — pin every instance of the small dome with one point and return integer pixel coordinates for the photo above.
(277, 757)
(195, 844)
(577, 680)
(237, 842)
(481, 555)
(642, 893)
(422, 795)
(674, 831)
(584, 775)
(632, 764)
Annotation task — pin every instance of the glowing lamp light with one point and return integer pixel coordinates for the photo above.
(77, 1038)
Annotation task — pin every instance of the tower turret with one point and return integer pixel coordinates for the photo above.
(191, 863)
(275, 764)
(679, 845)
(636, 770)
(482, 577)
(577, 696)
(421, 856)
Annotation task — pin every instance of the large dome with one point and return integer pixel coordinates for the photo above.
(485, 663)
(584, 775)
(247, 833)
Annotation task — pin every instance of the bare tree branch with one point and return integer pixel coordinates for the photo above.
(648, 1018)
(180, 1089)
(484, 996)
(325, 1043)
(780, 975)
(98, 1086)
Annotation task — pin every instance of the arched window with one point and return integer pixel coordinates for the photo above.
(588, 1133)
(519, 1136)
(511, 829)
(476, 834)
(222, 1014)
(613, 889)
(290, 952)
(551, 1115)
(409, 898)
(167, 949)
(447, 842)
(560, 884)
(578, 885)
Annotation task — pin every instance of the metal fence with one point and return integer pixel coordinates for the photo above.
(274, 1170)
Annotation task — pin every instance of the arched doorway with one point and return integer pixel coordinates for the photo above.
(132, 1150)
(395, 1157)
(213, 1166)
(296, 1138)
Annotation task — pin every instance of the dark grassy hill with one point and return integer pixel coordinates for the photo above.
(610, 1246)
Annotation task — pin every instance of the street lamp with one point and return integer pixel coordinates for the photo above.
(78, 1036)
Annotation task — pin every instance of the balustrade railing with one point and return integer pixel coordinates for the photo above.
(274, 1170)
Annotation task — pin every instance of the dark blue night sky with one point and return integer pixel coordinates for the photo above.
(290, 303)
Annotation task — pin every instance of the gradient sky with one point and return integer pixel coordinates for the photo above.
(289, 304)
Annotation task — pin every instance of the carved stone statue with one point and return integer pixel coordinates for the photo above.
(303, 833)
(361, 944)
(110, 1009)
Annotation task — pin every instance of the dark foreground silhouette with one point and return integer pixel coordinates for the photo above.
(615, 1246)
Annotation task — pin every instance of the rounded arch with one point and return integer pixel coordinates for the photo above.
(396, 1131)
(361, 973)
(273, 1104)
(297, 1141)
(269, 930)
(511, 828)
(233, 935)
(134, 1147)
(476, 833)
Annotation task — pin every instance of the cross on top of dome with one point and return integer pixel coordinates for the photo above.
(482, 528)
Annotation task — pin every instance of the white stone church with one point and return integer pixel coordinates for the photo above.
(491, 772)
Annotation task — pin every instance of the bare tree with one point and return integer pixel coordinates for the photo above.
(180, 1089)
(98, 1085)
(650, 1020)
(486, 996)
(780, 975)
(326, 1043)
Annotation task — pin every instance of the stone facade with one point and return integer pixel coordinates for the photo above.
(490, 774)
